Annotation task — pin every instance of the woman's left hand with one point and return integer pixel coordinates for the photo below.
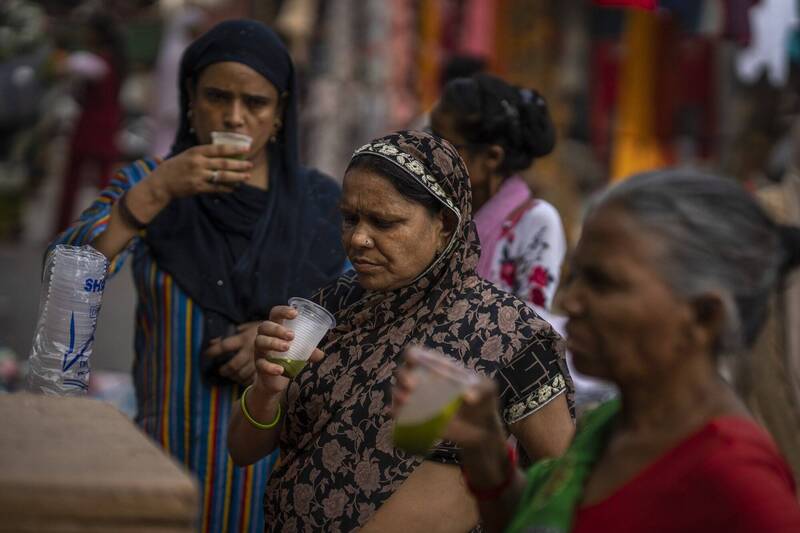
(477, 420)
(241, 368)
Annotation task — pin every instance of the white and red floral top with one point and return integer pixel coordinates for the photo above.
(526, 261)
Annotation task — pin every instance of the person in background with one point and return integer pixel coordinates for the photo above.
(461, 66)
(674, 270)
(768, 376)
(500, 130)
(100, 70)
(407, 228)
(219, 235)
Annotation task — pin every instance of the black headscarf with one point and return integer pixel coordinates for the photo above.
(238, 254)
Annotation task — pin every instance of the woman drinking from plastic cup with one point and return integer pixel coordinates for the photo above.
(219, 233)
(408, 230)
(673, 271)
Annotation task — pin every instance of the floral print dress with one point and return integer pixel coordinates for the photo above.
(526, 260)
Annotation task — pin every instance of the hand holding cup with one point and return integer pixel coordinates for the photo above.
(287, 341)
(206, 168)
(477, 419)
(238, 140)
(429, 391)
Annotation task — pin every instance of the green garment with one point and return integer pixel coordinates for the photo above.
(554, 487)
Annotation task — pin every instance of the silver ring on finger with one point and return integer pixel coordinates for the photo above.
(214, 177)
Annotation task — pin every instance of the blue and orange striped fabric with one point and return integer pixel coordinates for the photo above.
(175, 406)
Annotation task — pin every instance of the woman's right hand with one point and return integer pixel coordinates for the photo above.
(206, 168)
(274, 337)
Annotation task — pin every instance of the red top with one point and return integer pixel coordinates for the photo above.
(101, 115)
(727, 477)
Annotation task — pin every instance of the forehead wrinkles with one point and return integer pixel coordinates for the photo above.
(613, 239)
(368, 194)
(236, 77)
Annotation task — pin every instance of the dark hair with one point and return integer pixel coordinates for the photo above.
(488, 110)
(716, 238)
(406, 185)
(461, 66)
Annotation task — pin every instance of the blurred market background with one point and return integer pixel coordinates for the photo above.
(706, 83)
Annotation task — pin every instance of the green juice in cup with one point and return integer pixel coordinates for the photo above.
(309, 326)
(440, 385)
(419, 437)
(291, 367)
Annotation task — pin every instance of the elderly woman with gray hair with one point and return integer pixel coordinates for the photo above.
(673, 271)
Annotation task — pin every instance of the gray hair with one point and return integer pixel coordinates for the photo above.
(716, 238)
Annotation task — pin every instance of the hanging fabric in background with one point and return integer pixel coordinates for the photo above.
(736, 23)
(685, 114)
(641, 4)
(362, 78)
(402, 99)
(605, 67)
(689, 13)
(376, 65)
(794, 46)
(636, 145)
(429, 53)
(479, 34)
(605, 57)
(330, 107)
(295, 21)
(772, 22)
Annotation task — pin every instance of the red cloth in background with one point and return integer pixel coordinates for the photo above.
(101, 115)
(728, 477)
(643, 4)
(736, 22)
(686, 91)
(93, 142)
(605, 64)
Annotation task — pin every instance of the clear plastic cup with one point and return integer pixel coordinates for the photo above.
(311, 324)
(440, 385)
(233, 139)
(62, 320)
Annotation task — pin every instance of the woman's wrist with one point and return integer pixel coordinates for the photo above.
(156, 189)
(490, 488)
(262, 405)
(140, 204)
(486, 466)
(262, 424)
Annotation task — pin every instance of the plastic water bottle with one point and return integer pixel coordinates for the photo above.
(69, 303)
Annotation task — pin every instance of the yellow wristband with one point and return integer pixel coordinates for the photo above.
(253, 422)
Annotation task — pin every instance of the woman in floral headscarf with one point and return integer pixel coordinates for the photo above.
(408, 230)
